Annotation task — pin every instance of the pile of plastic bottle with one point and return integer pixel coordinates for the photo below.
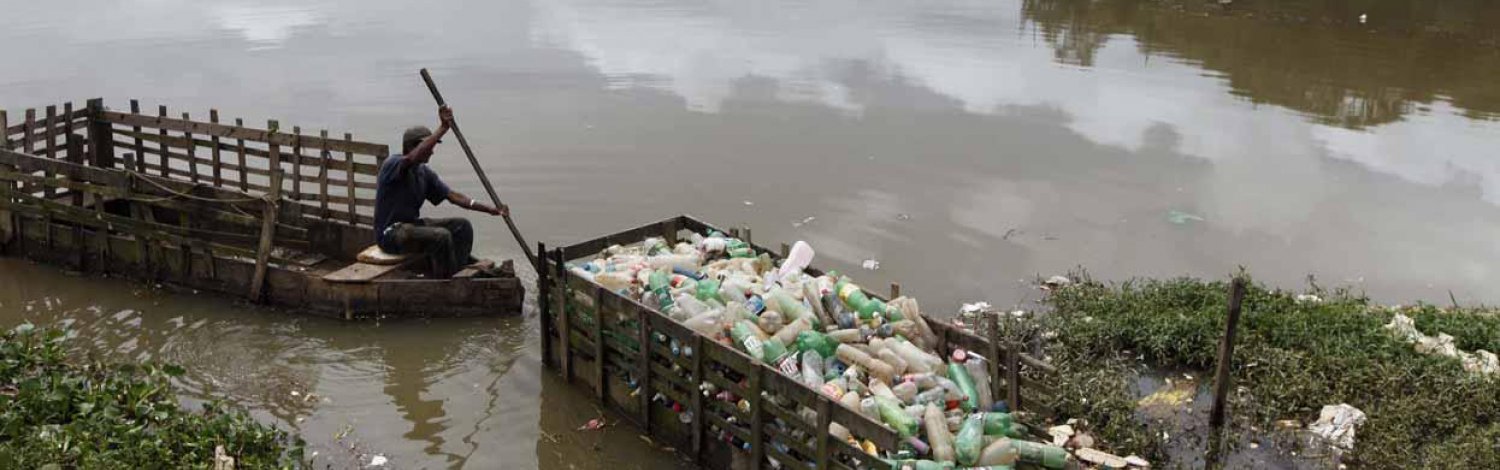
(874, 357)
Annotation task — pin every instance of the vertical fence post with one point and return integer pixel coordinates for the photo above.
(993, 352)
(190, 147)
(543, 301)
(267, 232)
(323, 172)
(101, 136)
(757, 420)
(161, 115)
(7, 225)
(564, 316)
(698, 416)
(216, 153)
(601, 387)
(349, 189)
(1013, 376)
(1226, 352)
(239, 149)
(296, 163)
(135, 132)
(825, 417)
(643, 364)
(896, 290)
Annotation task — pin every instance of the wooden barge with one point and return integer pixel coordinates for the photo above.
(277, 216)
(637, 353)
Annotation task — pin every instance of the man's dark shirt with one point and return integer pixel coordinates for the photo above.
(399, 195)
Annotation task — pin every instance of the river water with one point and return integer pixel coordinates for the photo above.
(968, 146)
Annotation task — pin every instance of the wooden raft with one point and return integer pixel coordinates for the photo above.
(593, 337)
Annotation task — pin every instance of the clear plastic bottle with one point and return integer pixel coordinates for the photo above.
(812, 369)
(980, 373)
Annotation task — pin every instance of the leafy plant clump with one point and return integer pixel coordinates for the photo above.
(58, 412)
(1292, 357)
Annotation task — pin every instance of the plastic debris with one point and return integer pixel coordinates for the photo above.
(1182, 218)
(593, 425)
(1336, 423)
(1098, 457)
(1308, 298)
(378, 460)
(1478, 362)
(1057, 282)
(870, 264)
(749, 203)
(804, 221)
(1137, 461)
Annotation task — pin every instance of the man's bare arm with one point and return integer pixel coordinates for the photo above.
(423, 151)
(469, 203)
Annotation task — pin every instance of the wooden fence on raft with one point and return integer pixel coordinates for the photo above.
(593, 335)
(144, 184)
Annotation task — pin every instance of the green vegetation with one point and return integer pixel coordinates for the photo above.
(62, 413)
(1291, 359)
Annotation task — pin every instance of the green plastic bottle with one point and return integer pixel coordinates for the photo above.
(970, 440)
(1049, 456)
(817, 341)
(960, 376)
(997, 423)
(892, 413)
(708, 289)
(909, 464)
(772, 351)
(749, 338)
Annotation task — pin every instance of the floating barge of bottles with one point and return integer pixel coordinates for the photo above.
(649, 368)
(272, 214)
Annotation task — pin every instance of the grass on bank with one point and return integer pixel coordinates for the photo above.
(1291, 359)
(58, 412)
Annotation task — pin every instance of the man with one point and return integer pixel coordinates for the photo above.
(404, 182)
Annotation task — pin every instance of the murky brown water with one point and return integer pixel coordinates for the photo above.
(967, 145)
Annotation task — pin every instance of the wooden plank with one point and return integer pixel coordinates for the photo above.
(28, 128)
(349, 177)
(161, 145)
(564, 329)
(163, 232)
(263, 253)
(101, 137)
(51, 154)
(218, 164)
(601, 388)
(323, 171)
(4, 130)
(757, 418)
(296, 161)
(140, 150)
(825, 417)
(361, 273)
(189, 150)
(543, 301)
(239, 150)
(697, 403)
(268, 136)
(643, 364)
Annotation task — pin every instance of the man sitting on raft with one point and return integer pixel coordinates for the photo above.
(404, 182)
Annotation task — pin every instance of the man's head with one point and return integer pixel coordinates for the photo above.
(414, 137)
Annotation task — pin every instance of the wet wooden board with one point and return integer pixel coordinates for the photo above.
(359, 273)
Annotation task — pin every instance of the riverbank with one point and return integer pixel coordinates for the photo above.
(61, 411)
(1295, 353)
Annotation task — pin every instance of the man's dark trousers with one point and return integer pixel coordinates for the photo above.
(446, 241)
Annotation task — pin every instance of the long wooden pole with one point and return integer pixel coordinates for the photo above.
(431, 86)
(1226, 353)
